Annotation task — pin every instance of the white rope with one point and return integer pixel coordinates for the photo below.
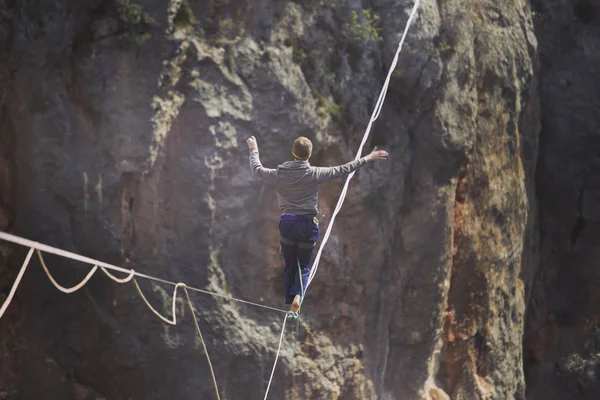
(62, 288)
(276, 356)
(53, 250)
(212, 372)
(374, 117)
(16, 284)
(34, 246)
(168, 321)
(376, 112)
(114, 278)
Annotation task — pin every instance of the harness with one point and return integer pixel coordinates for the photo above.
(301, 245)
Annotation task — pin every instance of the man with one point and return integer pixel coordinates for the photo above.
(297, 184)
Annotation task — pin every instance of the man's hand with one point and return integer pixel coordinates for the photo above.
(252, 143)
(376, 155)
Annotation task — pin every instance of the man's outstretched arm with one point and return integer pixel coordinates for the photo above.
(325, 174)
(268, 175)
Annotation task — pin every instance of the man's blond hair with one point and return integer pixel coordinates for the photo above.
(302, 148)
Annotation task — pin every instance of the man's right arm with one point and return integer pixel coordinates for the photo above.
(268, 175)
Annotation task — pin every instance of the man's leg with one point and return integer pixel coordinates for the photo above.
(305, 250)
(290, 257)
(306, 246)
(304, 255)
(306, 232)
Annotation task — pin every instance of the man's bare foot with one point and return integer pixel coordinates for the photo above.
(296, 303)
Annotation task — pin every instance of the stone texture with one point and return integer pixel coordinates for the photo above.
(562, 336)
(125, 124)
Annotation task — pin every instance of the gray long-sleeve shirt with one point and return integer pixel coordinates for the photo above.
(298, 182)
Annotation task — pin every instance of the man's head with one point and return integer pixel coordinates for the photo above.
(302, 148)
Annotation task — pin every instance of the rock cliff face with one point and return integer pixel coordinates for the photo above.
(562, 352)
(123, 124)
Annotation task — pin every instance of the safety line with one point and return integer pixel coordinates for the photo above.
(174, 303)
(276, 356)
(67, 254)
(375, 115)
(62, 288)
(16, 284)
(38, 247)
(212, 372)
(114, 278)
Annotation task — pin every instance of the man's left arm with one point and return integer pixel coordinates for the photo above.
(325, 174)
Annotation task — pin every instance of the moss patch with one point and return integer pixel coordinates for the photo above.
(135, 22)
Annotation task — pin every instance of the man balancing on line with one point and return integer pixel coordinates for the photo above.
(297, 184)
